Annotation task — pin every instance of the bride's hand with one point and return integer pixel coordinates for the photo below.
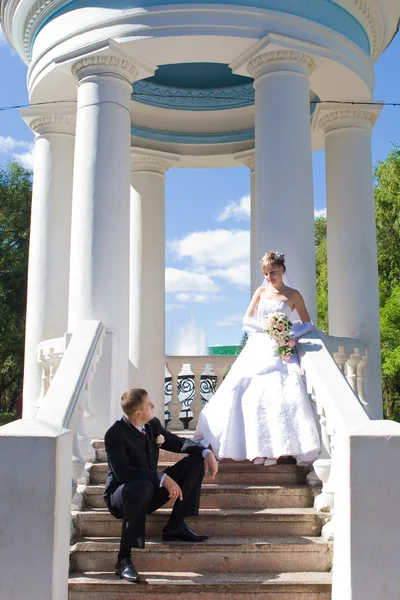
(210, 464)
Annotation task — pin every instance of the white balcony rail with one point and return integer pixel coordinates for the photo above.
(354, 467)
(192, 380)
(49, 356)
(197, 371)
(66, 402)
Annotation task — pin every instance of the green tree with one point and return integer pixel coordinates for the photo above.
(15, 200)
(387, 211)
(322, 273)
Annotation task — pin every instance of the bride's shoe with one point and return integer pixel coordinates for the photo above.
(258, 461)
(269, 462)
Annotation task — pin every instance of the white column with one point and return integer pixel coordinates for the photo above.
(284, 204)
(248, 158)
(352, 258)
(48, 271)
(99, 282)
(147, 276)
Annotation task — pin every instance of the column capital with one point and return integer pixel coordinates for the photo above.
(281, 60)
(106, 65)
(361, 116)
(247, 158)
(53, 124)
(152, 160)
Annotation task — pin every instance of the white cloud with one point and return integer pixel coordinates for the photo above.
(239, 275)
(319, 212)
(221, 253)
(25, 159)
(214, 248)
(171, 306)
(229, 320)
(180, 281)
(197, 298)
(13, 147)
(236, 210)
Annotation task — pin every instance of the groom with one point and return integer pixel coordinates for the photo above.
(135, 488)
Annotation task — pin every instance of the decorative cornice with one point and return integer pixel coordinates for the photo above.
(280, 56)
(152, 160)
(364, 11)
(149, 163)
(36, 10)
(348, 114)
(55, 124)
(163, 96)
(121, 66)
(370, 18)
(246, 158)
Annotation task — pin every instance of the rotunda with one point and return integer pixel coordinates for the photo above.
(123, 90)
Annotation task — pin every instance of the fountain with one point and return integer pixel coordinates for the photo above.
(190, 340)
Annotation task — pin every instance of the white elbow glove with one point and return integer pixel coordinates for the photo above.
(300, 329)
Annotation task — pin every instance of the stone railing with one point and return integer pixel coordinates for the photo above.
(187, 389)
(190, 381)
(354, 467)
(67, 400)
(351, 356)
(49, 356)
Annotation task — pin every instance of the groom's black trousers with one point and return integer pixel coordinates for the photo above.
(132, 501)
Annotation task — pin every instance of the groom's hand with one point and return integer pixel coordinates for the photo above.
(174, 491)
(210, 464)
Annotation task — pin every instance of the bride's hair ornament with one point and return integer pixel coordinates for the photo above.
(275, 258)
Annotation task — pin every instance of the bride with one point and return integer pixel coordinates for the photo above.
(261, 411)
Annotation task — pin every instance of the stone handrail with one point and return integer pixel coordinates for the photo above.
(67, 401)
(49, 355)
(356, 469)
(351, 356)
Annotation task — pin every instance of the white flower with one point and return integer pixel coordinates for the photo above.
(160, 440)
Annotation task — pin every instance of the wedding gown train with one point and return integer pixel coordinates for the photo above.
(262, 408)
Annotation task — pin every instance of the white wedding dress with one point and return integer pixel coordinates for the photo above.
(262, 408)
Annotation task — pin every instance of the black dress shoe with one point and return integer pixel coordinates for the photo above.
(286, 460)
(125, 570)
(182, 533)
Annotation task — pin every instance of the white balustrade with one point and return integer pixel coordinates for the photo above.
(198, 369)
(351, 356)
(49, 356)
(67, 400)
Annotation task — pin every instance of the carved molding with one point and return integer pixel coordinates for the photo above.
(55, 122)
(248, 161)
(280, 55)
(147, 162)
(120, 65)
(351, 113)
(193, 99)
(370, 21)
(365, 9)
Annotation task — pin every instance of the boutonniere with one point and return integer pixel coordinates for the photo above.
(160, 439)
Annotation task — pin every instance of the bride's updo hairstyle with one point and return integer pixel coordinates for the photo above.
(274, 258)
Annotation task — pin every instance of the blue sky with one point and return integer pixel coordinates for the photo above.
(207, 226)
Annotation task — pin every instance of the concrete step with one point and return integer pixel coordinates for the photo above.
(165, 455)
(216, 555)
(220, 522)
(208, 586)
(232, 496)
(229, 473)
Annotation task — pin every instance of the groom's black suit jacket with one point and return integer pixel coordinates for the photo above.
(131, 455)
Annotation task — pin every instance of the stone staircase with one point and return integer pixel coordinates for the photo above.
(264, 541)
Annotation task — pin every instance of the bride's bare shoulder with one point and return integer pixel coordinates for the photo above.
(292, 292)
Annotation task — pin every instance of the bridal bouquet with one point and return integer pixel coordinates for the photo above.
(277, 325)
